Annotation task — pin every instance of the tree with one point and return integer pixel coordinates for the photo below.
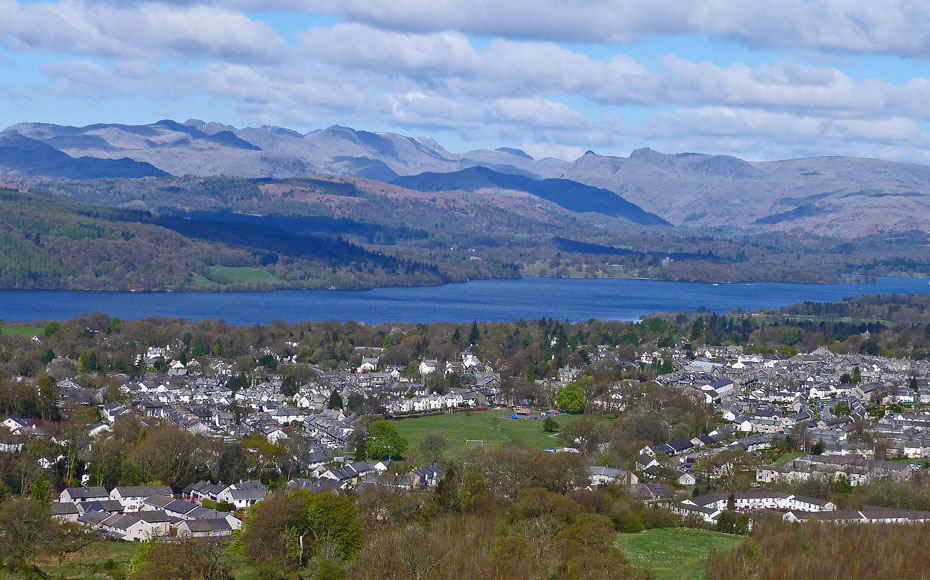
(570, 398)
(356, 400)
(432, 446)
(71, 537)
(25, 528)
(334, 526)
(818, 448)
(289, 387)
(384, 442)
(474, 335)
(187, 559)
(47, 395)
(51, 328)
(198, 347)
(550, 425)
(41, 490)
(285, 532)
(335, 400)
(169, 455)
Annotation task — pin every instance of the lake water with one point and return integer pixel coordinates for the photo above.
(489, 300)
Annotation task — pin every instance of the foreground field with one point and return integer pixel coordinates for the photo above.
(491, 427)
(19, 330)
(109, 560)
(674, 553)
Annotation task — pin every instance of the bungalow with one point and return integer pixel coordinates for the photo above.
(65, 511)
(197, 492)
(686, 479)
(212, 528)
(139, 526)
(107, 506)
(133, 496)
(599, 475)
(83, 494)
(15, 424)
(425, 476)
(98, 429)
(645, 461)
(243, 494)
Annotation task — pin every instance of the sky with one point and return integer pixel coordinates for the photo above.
(761, 80)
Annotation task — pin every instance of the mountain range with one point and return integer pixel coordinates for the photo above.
(834, 196)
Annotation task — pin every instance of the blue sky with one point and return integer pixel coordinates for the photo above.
(759, 80)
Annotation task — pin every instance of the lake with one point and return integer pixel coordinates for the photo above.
(489, 300)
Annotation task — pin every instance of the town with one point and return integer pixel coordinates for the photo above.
(134, 440)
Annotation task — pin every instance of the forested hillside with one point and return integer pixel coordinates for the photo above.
(52, 242)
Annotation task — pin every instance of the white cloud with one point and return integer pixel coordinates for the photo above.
(143, 31)
(412, 65)
(540, 113)
(854, 26)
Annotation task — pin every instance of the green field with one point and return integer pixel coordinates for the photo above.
(221, 274)
(100, 560)
(492, 427)
(109, 559)
(788, 457)
(30, 331)
(674, 553)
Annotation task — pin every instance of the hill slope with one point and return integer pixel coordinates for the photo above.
(31, 157)
(833, 196)
(570, 195)
(47, 241)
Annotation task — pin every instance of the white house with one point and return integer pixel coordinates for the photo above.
(243, 494)
(428, 366)
(133, 496)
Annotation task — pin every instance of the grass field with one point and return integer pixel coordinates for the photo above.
(30, 331)
(492, 427)
(107, 560)
(101, 560)
(674, 553)
(788, 457)
(240, 274)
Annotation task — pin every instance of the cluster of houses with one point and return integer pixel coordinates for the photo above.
(790, 508)
(758, 398)
(812, 397)
(203, 403)
(135, 513)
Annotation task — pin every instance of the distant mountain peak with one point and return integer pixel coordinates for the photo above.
(514, 151)
(279, 130)
(429, 142)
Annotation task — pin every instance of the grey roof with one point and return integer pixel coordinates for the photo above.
(211, 525)
(158, 501)
(180, 506)
(64, 509)
(105, 505)
(143, 490)
(86, 492)
(247, 490)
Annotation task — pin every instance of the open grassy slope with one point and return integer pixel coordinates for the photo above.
(674, 553)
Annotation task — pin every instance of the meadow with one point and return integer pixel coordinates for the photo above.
(674, 553)
(20, 330)
(489, 427)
